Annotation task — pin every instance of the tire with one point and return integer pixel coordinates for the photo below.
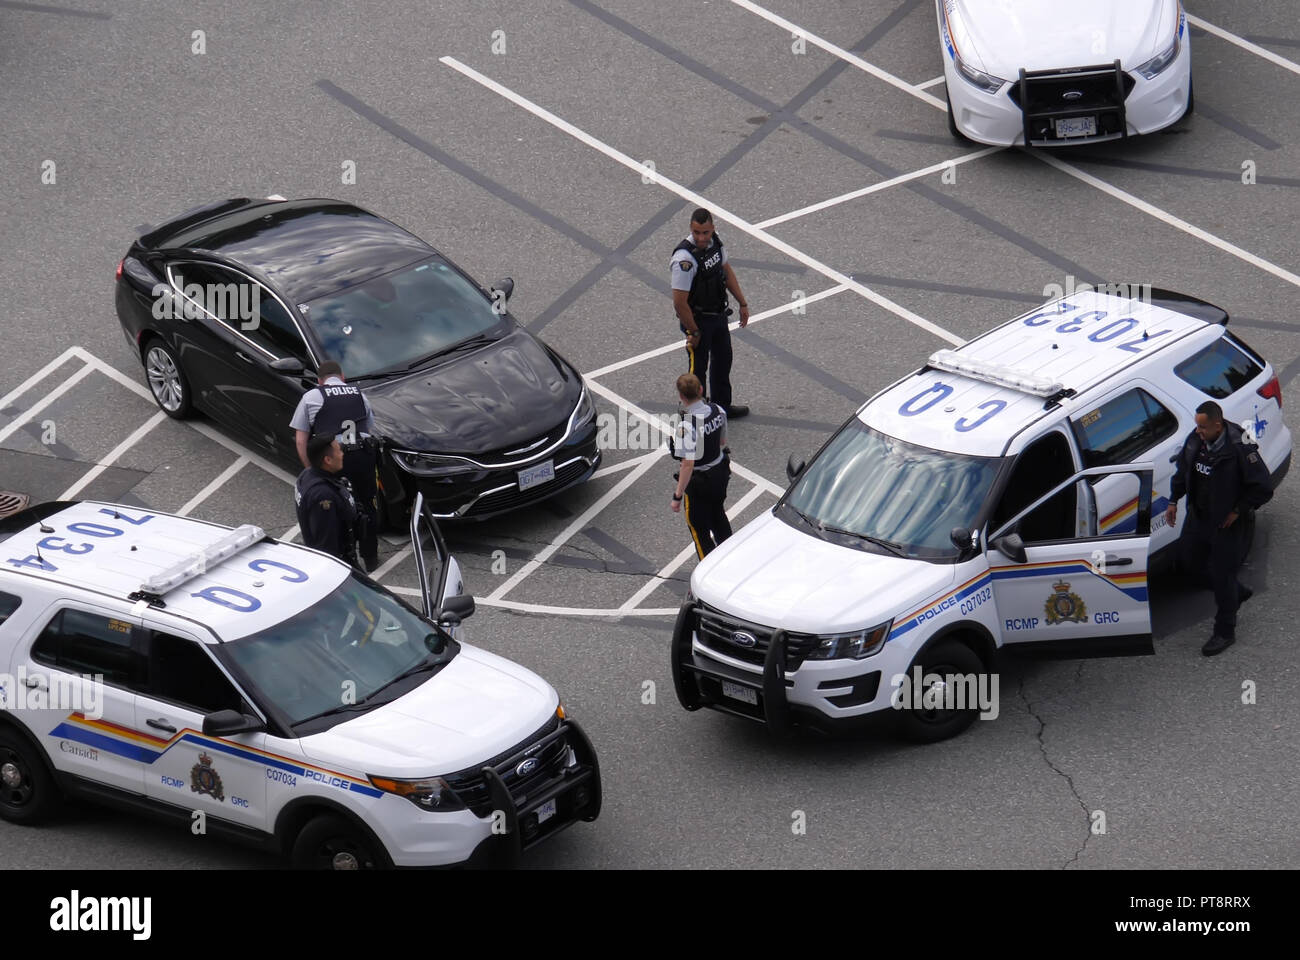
(331, 842)
(931, 726)
(28, 793)
(167, 382)
(952, 124)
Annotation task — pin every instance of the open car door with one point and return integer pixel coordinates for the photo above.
(440, 576)
(1074, 593)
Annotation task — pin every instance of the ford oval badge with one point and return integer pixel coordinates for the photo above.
(526, 767)
(1072, 95)
(742, 639)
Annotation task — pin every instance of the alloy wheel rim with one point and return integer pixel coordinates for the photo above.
(164, 380)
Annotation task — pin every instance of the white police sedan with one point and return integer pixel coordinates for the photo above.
(1049, 72)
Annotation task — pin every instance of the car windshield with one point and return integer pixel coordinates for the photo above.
(866, 485)
(341, 652)
(394, 321)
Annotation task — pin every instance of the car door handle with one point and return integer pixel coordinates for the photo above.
(161, 724)
(1174, 458)
(1113, 561)
(243, 356)
(34, 682)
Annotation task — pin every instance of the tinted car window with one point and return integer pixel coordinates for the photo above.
(82, 642)
(1219, 370)
(243, 304)
(275, 332)
(397, 319)
(183, 673)
(1121, 429)
(8, 604)
(1042, 465)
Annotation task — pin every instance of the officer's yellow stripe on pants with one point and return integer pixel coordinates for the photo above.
(686, 508)
(690, 353)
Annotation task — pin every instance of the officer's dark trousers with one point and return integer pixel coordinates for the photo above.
(1210, 557)
(359, 467)
(710, 359)
(705, 514)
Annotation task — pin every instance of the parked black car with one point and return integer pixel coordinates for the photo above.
(231, 308)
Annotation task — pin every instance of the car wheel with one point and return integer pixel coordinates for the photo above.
(167, 380)
(952, 123)
(922, 725)
(28, 793)
(330, 842)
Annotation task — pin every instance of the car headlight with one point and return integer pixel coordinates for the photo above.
(851, 646)
(432, 793)
(1157, 64)
(985, 81)
(431, 465)
(585, 411)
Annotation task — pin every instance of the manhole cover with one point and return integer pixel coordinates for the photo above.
(11, 503)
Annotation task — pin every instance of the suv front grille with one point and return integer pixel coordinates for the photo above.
(472, 788)
(716, 630)
(1046, 96)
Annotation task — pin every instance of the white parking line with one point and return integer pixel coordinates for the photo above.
(217, 483)
(689, 551)
(113, 456)
(387, 566)
(620, 467)
(840, 52)
(257, 460)
(1050, 160)
(18, 421)
(556, 611)
(734, 325)
(930, 83)
(1245, 44)
(291, 534)
(579, 522)
(719, 213)
(876, 187)
(38, 376)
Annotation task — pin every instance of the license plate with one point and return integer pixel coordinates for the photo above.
(737, 692)
(537, 475)
(1077, 127)
(545, 812)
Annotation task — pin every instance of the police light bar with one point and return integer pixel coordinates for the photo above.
(1021, 380)
(197, 564)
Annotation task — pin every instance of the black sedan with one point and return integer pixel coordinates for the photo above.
(233, 306)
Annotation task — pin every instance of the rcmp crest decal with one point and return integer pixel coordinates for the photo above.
(1065, 607)
(204, 779)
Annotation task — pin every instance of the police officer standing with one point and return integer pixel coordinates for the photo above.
(337, 409)
(327, 513)
(701, 277)
(1222, 477)
(701, 445)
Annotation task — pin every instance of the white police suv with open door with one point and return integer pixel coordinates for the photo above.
(1005, 497)
(267, 691)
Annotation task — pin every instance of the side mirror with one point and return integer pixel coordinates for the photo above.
(1012, 546)
(289, 366)
(793, 468)
(960, 537)
(225, 722)
(455, 610)
(504, 287)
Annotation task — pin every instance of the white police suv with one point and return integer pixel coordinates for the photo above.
(263, 690)
(1006, 496)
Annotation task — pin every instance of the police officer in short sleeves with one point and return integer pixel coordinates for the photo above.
(701, 446)
(701, 277)
(338, 409)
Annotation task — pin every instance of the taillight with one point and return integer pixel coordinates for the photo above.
(118, 276)
(1271, 391)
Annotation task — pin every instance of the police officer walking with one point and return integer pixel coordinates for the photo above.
(1222, 477)
(701, 446)
(701, 277)
(337, 409)
(327, 513)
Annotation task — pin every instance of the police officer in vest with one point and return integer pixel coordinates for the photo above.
(338, 409)
(1222, 477)
(327, 513)
(701, 446)
(701, 277)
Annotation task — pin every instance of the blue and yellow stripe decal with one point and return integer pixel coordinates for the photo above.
(1124, 519)
(146, 749)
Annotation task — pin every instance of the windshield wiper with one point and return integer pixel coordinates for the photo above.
(890, 545)
(478, 340)
(816, 524)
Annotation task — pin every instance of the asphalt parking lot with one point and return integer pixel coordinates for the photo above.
(516, 137)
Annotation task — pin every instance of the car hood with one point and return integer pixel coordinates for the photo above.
(1000, 37)
(510, 391)
(476, 707)
(774, 575)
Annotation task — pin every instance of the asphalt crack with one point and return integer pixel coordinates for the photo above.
(1042, 748)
